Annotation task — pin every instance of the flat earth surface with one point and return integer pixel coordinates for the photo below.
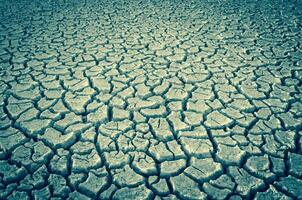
(150, 99)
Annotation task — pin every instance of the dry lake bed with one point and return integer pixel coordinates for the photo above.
(150, 99)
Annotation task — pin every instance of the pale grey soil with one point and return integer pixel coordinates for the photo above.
(150, 99)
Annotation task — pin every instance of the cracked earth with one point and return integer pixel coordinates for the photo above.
(150, 99)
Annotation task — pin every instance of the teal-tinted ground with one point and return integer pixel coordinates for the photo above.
(150, 99)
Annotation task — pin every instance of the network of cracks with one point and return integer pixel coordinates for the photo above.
(150, 99)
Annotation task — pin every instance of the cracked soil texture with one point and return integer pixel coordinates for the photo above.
(153, 99)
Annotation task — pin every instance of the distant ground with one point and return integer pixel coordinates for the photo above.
(150, 99)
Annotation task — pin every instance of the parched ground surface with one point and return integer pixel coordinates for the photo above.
(150, 99)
